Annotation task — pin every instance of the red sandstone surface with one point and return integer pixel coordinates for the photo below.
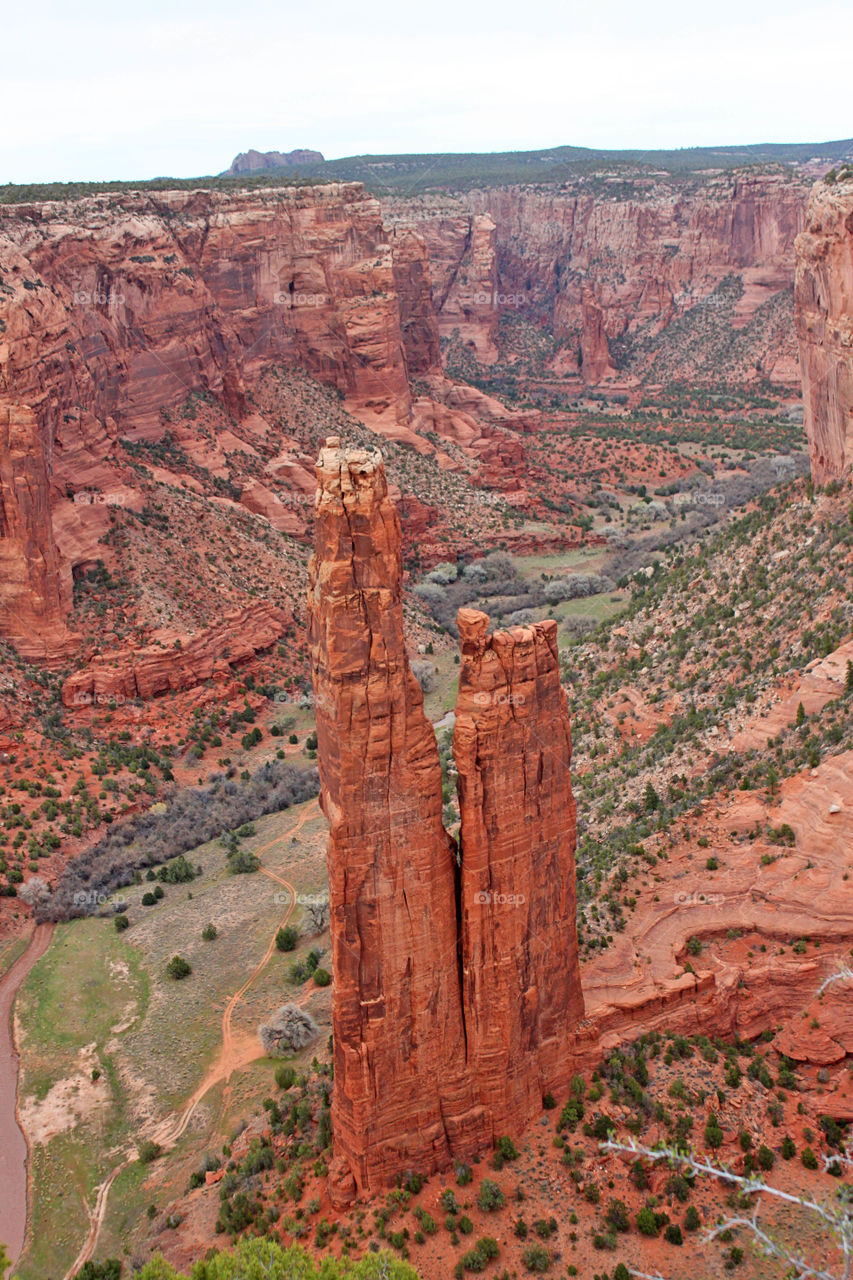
(521, 983)
(825, 327)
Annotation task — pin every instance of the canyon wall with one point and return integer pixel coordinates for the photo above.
(606, 259)
(521, 977)
(453, 1010)
(824, 311)
(402, 1097)
(115, 309)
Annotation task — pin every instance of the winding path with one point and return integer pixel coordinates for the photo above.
(13, 1144)
(232, 1057)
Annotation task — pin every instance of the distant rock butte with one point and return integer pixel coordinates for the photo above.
(412, 1089)
(824, 314)
(252, 161)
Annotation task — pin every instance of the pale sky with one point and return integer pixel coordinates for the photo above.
(101, 90)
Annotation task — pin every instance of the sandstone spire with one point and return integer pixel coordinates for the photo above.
(402, 1098)
(521, 981)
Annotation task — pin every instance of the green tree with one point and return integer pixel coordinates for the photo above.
(178, 968)
(287, 938)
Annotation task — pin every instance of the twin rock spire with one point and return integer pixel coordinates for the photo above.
(457, 993)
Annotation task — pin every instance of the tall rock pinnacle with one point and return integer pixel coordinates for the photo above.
(521, 979)
(402, 1095)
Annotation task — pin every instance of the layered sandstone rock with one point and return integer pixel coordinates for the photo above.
(402, 1097)
(177, 662)
(123, 305)
(35, 593)
(824, 312)
(521, 979)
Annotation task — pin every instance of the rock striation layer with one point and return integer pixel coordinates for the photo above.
(824, 315)
(177, 662)
(521, 977)
(452, 1012)
(402, 1097)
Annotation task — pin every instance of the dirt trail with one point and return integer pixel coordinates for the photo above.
(13, 1144)
(233, 1055)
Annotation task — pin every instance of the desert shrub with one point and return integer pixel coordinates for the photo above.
(289, 1029)
(647, 1223)
(178, 871)
(109, 1269)
(209, 932)
(490, 1197)
(617, 1216)
(536, 1258)
(808, 1158)
(322, 977)
(287, 938)
(178, 968)
(692, 1221)
(506, 1149)
(121, 923)
(672, 1234)
(147, 1151)
(285, 1077)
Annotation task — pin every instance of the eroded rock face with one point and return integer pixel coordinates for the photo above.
(402, 1096)
(521, 978)
(35, 593)
(824, 313)
(177, 662)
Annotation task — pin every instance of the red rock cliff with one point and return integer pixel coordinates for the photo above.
(34, 591)
(824, 311)
(521, 979)
(402, 1098)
